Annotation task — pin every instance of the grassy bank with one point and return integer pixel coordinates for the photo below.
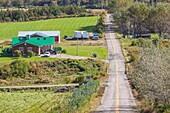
(61, 71)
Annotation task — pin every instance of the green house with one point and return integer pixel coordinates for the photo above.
(39, 45)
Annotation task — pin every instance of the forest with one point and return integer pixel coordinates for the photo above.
(140, 18)
(40, 13)
(31, 3)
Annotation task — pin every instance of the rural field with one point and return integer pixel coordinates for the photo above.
(29, 102)
(67, 26)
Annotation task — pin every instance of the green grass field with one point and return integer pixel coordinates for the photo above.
(28, 102)
(67, 26)
(87, 51)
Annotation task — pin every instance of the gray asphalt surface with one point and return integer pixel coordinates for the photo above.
(118, 97)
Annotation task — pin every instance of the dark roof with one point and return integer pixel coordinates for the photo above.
(37, 41)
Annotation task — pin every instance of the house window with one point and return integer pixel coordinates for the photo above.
(29, 48)
(44, 38)
(21, 49)
(38, 38)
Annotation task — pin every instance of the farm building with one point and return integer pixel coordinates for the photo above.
(39, 45)
(55, 34)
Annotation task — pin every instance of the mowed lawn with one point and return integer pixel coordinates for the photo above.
(67, 26)
(28, 102)
(87, 51)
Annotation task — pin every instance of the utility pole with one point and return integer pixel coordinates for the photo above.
(77, 48)
(101, 4)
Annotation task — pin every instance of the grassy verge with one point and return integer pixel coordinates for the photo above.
(67, 26)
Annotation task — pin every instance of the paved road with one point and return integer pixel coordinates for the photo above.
(117, 97)
(37, 86)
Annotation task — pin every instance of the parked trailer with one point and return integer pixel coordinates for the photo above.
(78, 34)
(85, 34)
(81, 34)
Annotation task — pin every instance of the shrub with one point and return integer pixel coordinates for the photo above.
(79, 79)
(30, 54)
(141, 42)
(17, 53)
(59, 49)
(155, 41)
(133, 58)
(19, 68)
(64, 51)
(103, 73)
(43, 80)
(134, 43)
(3, 82)
(94, 55)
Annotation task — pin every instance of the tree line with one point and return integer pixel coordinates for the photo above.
(138, 17)
(30, 3)
(37, 13)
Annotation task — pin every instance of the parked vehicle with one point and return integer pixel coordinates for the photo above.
(95, 36)
(144, 35)
(54, 52)
(47, 54)
(78, 34)
(85, 34)
(81, 35)
(91, 35)
(67, 37)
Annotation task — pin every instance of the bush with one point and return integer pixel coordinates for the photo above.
(30, 54)
(79, 79)
(134, 43)
(94, 55)
(19, 68)
(155, 41)
(134, 58)
(103, 73)
(64, 51)
(17, 53)
(141, 42)
(59, 49)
